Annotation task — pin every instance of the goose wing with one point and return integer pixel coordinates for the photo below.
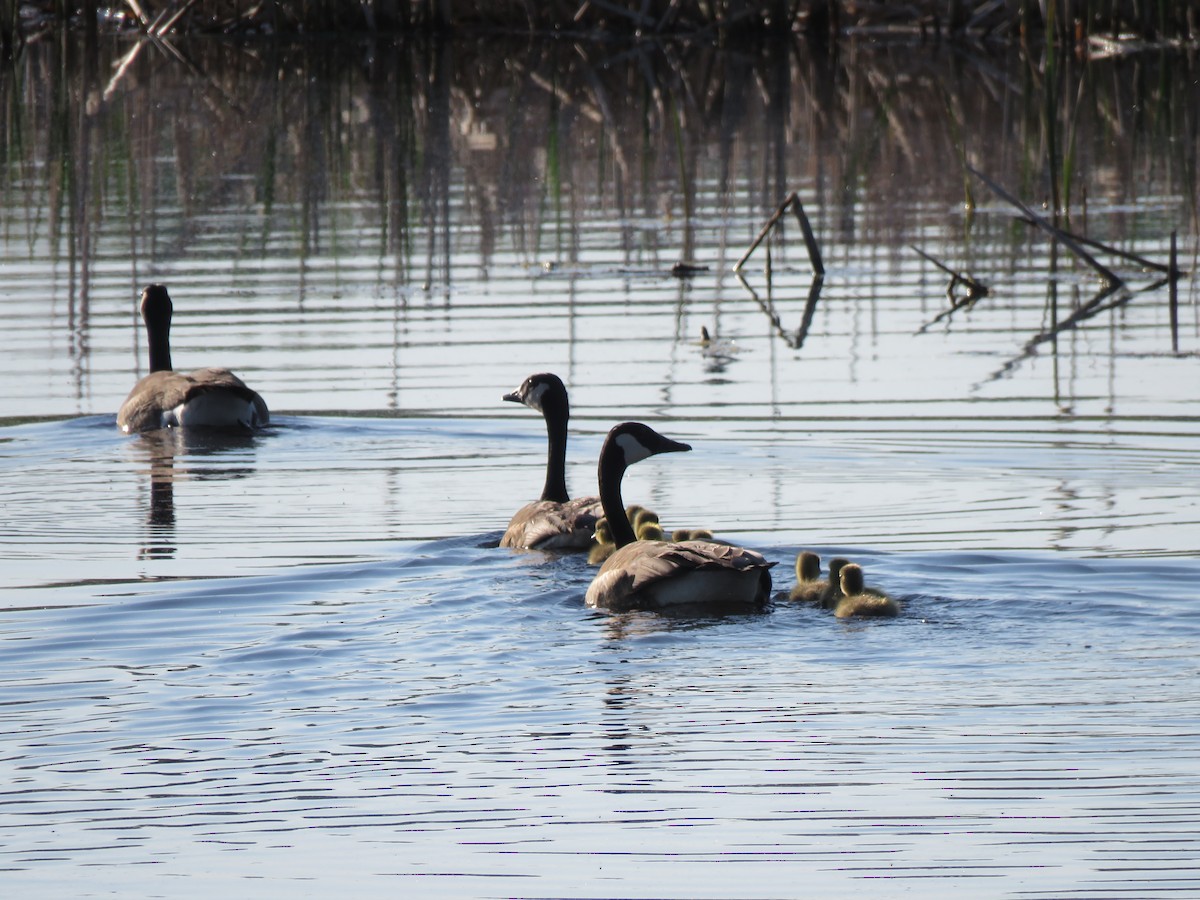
(549, 525)
(215, 379)
(155, 397)
(652, 569)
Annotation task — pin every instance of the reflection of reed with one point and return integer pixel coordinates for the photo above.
(444, 154)
(973, 20)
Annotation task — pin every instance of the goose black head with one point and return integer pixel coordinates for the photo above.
(543, 392)
(631, 442)
(156, 305)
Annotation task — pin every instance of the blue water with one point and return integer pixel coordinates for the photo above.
(278, 681)
(297, 663)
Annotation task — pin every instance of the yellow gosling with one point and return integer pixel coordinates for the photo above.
(833, 589)
(691, 534)
(859, 600)
(809, 584)
(643, 516)
(650, 531)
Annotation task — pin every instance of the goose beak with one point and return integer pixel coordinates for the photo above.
(514, 397)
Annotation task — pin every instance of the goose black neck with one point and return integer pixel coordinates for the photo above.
(556, 457)
(612, 470)
(158, 332)
(160, 353)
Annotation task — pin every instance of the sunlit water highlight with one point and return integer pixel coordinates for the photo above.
(356, 695)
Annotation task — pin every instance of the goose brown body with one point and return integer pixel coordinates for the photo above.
(554, 521)
(204, 398)
(662, 575)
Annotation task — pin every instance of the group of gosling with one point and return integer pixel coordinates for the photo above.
(640, 567)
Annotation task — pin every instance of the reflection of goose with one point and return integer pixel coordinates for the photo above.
(809, 584)
(205, 398)
(858, 600)
(660, 574)
(833, 588)
(554, 521)
(166, 453)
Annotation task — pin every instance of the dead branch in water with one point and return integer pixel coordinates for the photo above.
(1173, 296)
(1110, 279)
(810, 241)
(1115, 251)
(975, 289)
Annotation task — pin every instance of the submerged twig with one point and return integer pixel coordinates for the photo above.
(1108, 248)
(1093, 307)
(762, 234)
(138, 13)
(161, 27)
(1173, 296)
(810, 240)
(1106, 274)
(121, 67)
(975, 289)
(796, 340)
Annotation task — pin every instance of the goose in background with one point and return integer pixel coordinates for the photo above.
(554, 521)
(205, 398)
(660, 575)
(859, 600)
(810, 586)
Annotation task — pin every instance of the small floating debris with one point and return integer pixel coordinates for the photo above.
(687, 269)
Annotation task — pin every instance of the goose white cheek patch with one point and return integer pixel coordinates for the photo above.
(534, 398)
(634, 450)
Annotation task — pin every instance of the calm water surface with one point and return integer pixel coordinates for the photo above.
(297, 662)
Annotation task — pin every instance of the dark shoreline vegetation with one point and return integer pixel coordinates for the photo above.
(1068, 21)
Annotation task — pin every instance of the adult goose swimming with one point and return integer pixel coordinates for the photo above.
(205, 398)
(554, 521)
(693, 575)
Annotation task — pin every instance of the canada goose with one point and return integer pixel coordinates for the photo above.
(603, 547)
(660, 574)
(554, 521)
(205, 398)
(858, 600)
(833, 588)
(809, 583)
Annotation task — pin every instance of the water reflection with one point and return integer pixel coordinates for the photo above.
(169, 455)
(426, 177)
